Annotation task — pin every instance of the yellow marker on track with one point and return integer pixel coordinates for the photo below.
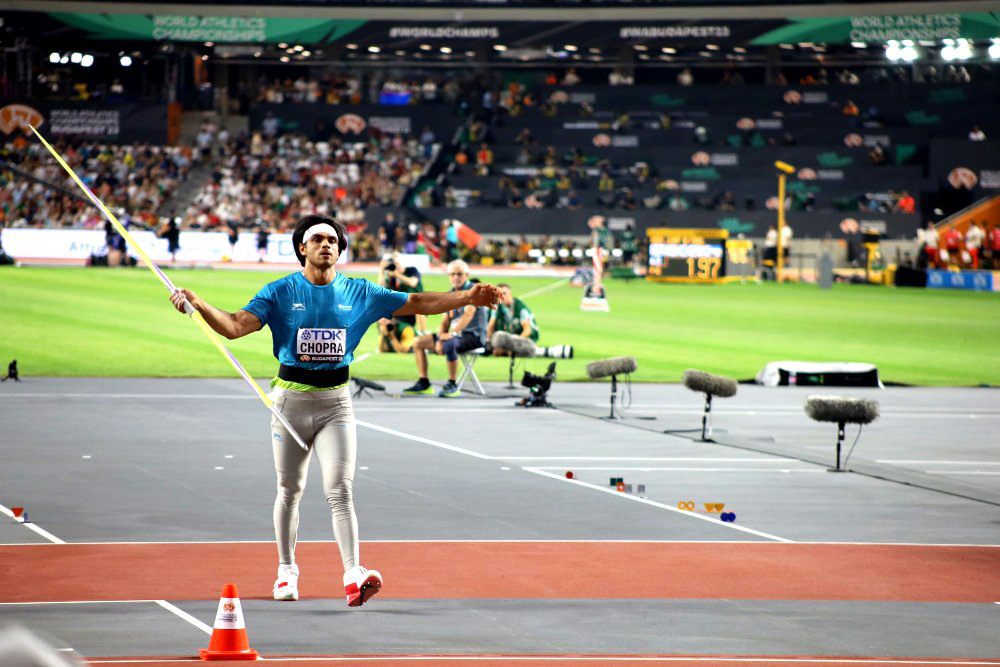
(188, 308)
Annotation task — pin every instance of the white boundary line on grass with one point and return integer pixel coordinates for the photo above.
(548, 288)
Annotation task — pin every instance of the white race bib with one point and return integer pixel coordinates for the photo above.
(321, 344)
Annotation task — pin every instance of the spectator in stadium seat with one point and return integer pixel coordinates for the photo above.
(771, 244)
(606, 183)
(685, 77)
(877, 155)
(677, 202)
(974, 237)
(976, 134)
(905, 204)
(952, 242)
(726, 201)
(927, 246)
(993, 245)
(484, 156)
(387, 232)
(571, 78)
(850, 109)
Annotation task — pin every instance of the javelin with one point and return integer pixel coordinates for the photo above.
(188, 308)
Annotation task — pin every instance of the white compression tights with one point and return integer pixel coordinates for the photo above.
(325, 420)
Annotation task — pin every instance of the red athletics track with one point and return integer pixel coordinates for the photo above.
(437, 570)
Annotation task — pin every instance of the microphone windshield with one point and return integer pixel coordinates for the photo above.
(613, 366)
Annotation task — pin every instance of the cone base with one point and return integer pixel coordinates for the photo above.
(208, 654)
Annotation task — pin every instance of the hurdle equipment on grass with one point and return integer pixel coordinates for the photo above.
(710, 385)
(229, 632)
(188, 308)
(842, 410)
(514, 346)
(614, 367)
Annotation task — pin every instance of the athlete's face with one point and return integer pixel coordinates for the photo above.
(321, 250)
(507, 297)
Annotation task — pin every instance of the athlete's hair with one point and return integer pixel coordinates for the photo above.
(308, 221)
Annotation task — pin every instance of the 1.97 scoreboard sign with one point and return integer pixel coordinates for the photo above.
(696, 256)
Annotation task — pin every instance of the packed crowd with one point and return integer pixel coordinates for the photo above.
(353, 87)
(276, 181)
(134, 178)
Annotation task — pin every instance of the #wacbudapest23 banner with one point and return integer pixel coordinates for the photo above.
(266, 29)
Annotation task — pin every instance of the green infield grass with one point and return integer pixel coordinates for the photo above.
(119, 322)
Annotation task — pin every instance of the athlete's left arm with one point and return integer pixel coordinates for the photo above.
(433, 303)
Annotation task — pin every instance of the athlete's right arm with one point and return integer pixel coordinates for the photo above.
(230, 325)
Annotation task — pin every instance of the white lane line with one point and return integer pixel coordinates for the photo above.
(645, 501)
(548, 288)
(163, 603)
(204, 627)
(961, 472)
(33, 526)
(684, 469)
(75, 602)
(426, 441)
(500, 541)
(575, 659)
(942, 463)
(702, 459)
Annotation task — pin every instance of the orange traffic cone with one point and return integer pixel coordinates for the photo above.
(229, 634)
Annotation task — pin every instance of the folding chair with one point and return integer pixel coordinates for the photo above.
(468, 371)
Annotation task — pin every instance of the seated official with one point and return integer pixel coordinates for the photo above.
(395, 335)
(393, 275)
(462, 329)
(513, 316)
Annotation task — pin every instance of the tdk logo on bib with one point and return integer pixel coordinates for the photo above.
(321, 344)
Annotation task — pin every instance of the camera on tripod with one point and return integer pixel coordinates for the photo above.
(538, 386)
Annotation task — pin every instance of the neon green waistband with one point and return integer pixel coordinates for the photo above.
(298, 386)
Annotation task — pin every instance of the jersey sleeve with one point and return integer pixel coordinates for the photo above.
(382, 302)
(261, 305)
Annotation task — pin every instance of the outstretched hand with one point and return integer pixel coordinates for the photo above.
(482, 294)
(180, 296)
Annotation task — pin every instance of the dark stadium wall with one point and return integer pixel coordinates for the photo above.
(751, 224)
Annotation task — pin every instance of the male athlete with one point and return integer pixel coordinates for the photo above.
(317, 317)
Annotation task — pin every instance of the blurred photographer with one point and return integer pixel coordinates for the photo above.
(395, 336)
(513, 316)
(393, 275)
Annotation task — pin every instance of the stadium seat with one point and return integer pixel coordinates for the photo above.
(469, 358)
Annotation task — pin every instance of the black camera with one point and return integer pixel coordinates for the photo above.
(538, 386)
(390, 267)
(390, 327)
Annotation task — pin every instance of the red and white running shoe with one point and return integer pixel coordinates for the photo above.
(360, 584)
(286, 586)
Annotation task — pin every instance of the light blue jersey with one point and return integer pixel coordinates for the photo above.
(317, 327)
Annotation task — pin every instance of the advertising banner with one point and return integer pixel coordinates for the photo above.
(135, 122)
(320, 121)
(193, 27)
(980, 281)
(80, 244)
